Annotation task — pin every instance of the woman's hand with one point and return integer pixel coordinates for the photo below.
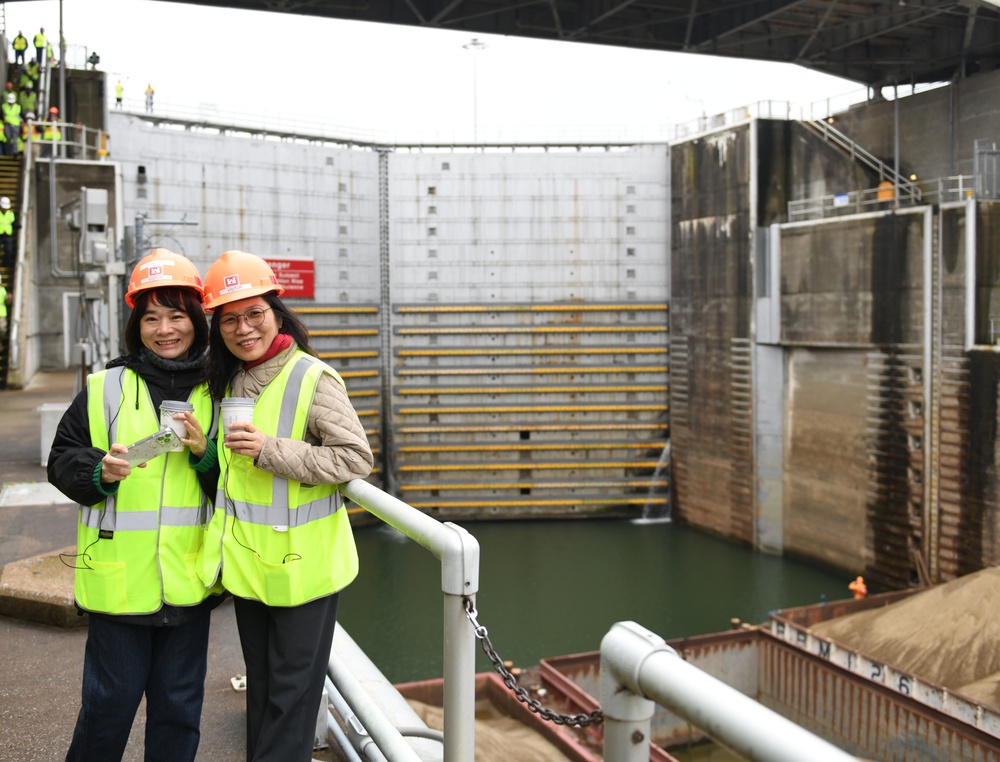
(196, 440)
(243, 439)
(115, 469)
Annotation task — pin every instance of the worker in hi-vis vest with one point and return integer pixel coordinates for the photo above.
(7, 225)
(40, 43)
(140, 527)
(280, 536)
(20, 45)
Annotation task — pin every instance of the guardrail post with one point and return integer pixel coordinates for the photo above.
(627, 714)
(458, 552)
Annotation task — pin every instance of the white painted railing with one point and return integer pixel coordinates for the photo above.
(458, 552)
(638, 668)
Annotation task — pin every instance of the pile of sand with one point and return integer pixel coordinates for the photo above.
(945, 635)
(499, 738)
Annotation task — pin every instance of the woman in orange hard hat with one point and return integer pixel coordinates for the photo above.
(280, 536)
(140, 526)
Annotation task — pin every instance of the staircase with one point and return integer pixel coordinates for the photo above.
(10, 180)
(905, 188)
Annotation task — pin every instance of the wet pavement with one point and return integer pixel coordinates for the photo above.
(42, 663)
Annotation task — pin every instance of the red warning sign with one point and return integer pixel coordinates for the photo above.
(296, 276)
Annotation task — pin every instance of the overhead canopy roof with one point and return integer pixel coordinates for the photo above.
(875, 42)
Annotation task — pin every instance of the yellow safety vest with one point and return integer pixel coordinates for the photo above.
(7, 222)
(138, 548)
(11, 113)
(52, 132)
(3, 302)
(20, 42)
(39, 40)
(275, 540)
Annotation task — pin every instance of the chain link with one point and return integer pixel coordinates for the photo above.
(521, 694)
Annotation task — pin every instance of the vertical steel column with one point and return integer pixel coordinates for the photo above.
(385, 325)
(458, 552)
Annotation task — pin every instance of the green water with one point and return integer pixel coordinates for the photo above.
(556, 587)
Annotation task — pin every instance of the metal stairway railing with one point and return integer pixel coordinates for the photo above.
(904, 186)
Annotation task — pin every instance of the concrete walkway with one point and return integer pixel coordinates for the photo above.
(42, 663)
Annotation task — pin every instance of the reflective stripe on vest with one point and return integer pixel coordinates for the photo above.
(138, 548)
(290, 543)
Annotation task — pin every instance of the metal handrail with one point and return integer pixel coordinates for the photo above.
(937, 191)
(458, 552)
(638, 668)
(76, 141)
(885, 172)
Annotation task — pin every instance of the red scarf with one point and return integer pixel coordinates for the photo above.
(281, 342)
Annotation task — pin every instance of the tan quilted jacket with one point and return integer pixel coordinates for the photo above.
(335, 450)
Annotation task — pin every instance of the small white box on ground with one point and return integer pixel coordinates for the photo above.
(52, 413)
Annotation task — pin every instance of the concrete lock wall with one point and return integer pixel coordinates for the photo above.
(496, 310)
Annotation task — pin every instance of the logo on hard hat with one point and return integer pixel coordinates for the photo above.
(231, 280)
(158, 270)
(232, 283)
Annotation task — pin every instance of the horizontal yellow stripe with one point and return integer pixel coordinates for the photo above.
(343, 332)
(513, 371)
(527, 503)
(452, 429)
(442, 390)
(346, 355)
(645, 483)
(359, 310)
(480, 308)
(567, 350)
(534, 409)
(536, 447)
(527, 465)
(538, 329)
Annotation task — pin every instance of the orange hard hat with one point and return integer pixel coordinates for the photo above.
(238, 275)
(161, 268)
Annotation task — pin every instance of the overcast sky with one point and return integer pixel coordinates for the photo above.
(395, 80)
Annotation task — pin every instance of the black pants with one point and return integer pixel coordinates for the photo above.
(7, 247)
(286, 651)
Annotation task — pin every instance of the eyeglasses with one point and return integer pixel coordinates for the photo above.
(253, 316)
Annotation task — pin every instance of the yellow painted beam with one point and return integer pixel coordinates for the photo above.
(443, 390)
(343, 332)
(481, 308)
(499, 352)
(341, 310)
(527, 465)
(543, 502)
(532, 427)
(475, 410)
(537, 446)
(532, 329)
(444, 486)
(533, 371)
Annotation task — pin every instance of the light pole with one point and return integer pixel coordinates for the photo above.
(475, 45)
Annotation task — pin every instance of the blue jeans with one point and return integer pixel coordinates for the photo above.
(123, 661)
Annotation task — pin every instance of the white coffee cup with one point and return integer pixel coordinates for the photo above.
(233, 409)
(167, 410)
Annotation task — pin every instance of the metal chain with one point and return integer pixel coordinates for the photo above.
(521, 694)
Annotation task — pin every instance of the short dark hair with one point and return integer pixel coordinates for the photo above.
(183, 299)
(222, 363)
